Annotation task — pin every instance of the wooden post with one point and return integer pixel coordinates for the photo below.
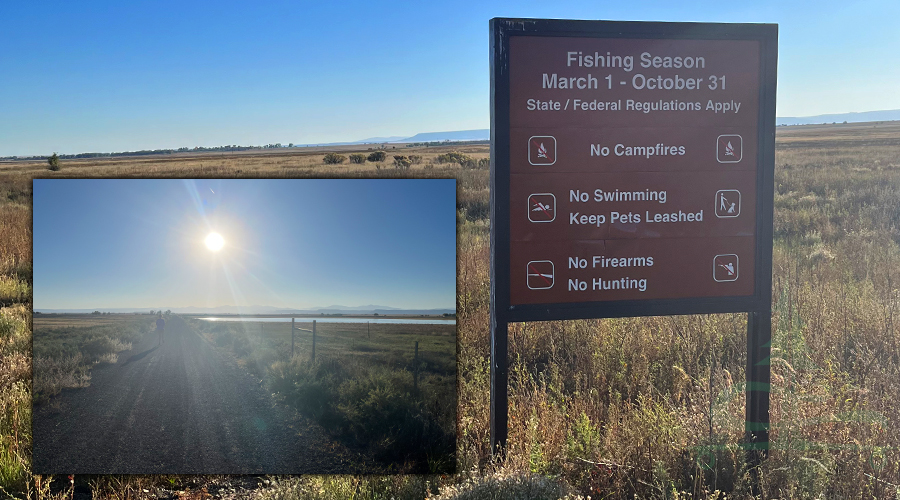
(416, 368)
(292, 338)
(314, 341)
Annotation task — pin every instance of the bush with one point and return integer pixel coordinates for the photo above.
(222, 336)
(358, 158)
(308, 385)
(484, 163)
(378, 156)
(402, 162)
(415, 159)
(53, 162)
(98, 347)
(462, 159)
(334, 159)
(379, 409)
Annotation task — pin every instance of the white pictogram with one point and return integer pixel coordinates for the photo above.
(728, 203)
(542, 150)
(725, 267)
(540, 274)
(542, 207)
(729, 148)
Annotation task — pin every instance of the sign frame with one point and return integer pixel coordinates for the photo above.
(758, 306)
(501, 31)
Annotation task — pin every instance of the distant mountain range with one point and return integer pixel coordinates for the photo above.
(484, 134)
(334, 309)
(867, 116)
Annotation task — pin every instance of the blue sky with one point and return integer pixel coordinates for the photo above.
(109, 243)
(115, 76)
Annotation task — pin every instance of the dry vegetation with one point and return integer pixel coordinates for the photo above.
(651, 407)
(67, 346)
(388, 390)
(277, 163)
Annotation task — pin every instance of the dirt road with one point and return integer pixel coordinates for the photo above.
(181, 407)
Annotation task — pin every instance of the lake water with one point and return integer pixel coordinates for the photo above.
(331, 319)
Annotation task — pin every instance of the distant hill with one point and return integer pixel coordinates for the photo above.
(482, 134)
(375, 140)
(866, 116)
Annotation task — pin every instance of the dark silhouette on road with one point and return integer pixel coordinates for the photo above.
(140, 355)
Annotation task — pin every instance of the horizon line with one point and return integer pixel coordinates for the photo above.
(360, 142)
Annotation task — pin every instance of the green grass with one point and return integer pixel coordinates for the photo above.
(15, 402)
(13, 290)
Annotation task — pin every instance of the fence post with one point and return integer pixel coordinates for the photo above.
(314, 341)
(416, 368)
(292, 337)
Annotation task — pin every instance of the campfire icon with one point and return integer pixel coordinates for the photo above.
(542, 150)
(729, 148)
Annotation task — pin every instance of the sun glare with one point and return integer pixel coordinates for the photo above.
(215, 242)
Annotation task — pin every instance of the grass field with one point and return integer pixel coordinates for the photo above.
(67, 346)
(388, 389)
(651, 407)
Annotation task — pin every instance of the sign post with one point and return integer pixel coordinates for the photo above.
(632, 174)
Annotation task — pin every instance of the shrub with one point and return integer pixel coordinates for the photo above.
(241, 346)
(377, 156)
(53, 162)
(402, 162)
(53, 374)
(334, 159)
(484, 163)
(96, 347)
(307, 385)
(13, 290)
(415, 159)
(378, 408)
(358, 158)
(462, 159)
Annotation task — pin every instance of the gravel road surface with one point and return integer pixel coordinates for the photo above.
(178, 408)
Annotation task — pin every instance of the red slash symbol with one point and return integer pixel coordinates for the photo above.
(542, 207)
(725, 267)
(540, 274)
(542, 150)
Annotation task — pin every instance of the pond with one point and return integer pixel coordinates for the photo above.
(338, 319)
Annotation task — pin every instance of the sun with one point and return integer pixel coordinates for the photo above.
(215, 242)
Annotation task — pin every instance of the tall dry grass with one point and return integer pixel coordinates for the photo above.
(64, 355)
(653, 407)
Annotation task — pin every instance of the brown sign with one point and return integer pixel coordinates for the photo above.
(633, 168)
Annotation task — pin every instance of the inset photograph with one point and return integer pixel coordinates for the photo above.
(244, 326)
